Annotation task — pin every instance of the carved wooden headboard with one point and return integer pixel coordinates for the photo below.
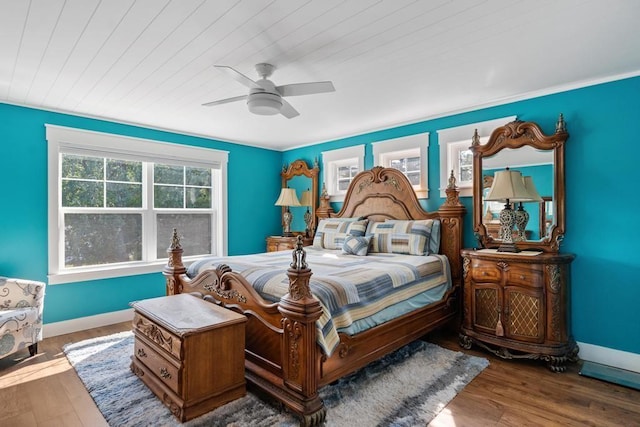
(385, 193)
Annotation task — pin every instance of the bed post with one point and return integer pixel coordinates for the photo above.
(451, 216)
(300, 310)
(174, 268)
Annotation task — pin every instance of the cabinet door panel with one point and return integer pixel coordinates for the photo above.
(486, 307)
(524, 314)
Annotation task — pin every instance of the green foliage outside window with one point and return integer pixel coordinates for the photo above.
(106, 237)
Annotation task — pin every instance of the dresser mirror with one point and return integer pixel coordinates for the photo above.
(302, 178)
(522, 146)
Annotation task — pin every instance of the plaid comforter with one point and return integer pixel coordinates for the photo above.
(350, 288)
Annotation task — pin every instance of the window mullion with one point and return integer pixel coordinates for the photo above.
(149, 216)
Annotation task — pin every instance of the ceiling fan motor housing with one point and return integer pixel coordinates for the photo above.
(264, 103)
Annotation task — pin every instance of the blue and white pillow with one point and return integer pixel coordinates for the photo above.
(356, 245)
(332, 232)
(432, 227)
(401, 236)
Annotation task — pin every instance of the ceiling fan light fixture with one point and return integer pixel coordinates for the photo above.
(264, 103)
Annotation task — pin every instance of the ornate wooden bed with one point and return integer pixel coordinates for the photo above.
(282, 356)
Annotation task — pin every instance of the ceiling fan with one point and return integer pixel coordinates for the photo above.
(265, 97)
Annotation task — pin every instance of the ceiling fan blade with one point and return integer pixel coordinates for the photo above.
(224, 101)
(237, 76)
(288, 111)
(297, 89)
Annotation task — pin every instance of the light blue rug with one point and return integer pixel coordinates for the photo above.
(406, 388)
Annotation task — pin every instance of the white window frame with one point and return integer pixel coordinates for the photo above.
(333, 159)
(452, 139)
(407, 146)
(64, 140)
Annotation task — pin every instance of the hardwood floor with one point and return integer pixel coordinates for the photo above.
(45, 391)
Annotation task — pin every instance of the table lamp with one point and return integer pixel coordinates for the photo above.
(287, 198)
(522, 216)
(305, 200)
(508, 186)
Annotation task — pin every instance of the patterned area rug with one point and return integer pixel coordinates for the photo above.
(406, 388)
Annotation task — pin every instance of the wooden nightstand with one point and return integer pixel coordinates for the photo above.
(520, 302)
(281, 243)
(189, 352)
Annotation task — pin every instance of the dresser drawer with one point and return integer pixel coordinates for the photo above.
(159, 365)
(157, 334)
(485, 271)
(525, 275)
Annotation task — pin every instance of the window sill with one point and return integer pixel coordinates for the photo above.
(106, 272)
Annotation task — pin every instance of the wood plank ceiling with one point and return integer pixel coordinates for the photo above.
(150, 62)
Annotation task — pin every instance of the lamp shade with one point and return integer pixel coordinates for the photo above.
(531, 189)
(287, 198)
(508, 185)
(305, 200)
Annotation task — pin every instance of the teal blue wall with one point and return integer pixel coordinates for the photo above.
(23, 217)
(600, 171)
(601, 167)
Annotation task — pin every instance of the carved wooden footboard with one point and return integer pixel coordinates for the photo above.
(283, 359)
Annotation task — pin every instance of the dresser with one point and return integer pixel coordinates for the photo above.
(189, 352)
(281, 243)
(516, 305)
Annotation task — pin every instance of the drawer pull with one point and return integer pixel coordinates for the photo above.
(141, 353)
(165, 374)
(484, 273)
(521, 277)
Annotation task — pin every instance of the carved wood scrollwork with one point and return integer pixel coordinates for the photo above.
(502, 265)
(375, 176)
(466, 262)
(155, 334)
(555, 282)
(218, 286)
(169, 403)
(299, 289)
(294, 332)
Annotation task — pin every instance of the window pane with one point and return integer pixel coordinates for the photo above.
(344, 172)
(198, 176)
(122, 170)
(124, 195)
(165, 174)
(82, 194)
(466, 174)
(82, 167)
(168, 197)
(397, 164)
(198, 197)
(414, 178)
(354, 171)
(343, 185)
(466, 157)
(93, 239)
(194, 231)
(413, 164)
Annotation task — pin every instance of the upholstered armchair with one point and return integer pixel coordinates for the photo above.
(21, 304)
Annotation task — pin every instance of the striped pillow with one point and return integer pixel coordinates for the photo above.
(433, 228)
(356, 245)
(332, 232)
(401, 236)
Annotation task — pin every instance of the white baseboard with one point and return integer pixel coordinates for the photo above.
(89, 322)
(610, 357)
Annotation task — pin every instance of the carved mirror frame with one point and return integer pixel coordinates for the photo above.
(301, 168)
(514, 135)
